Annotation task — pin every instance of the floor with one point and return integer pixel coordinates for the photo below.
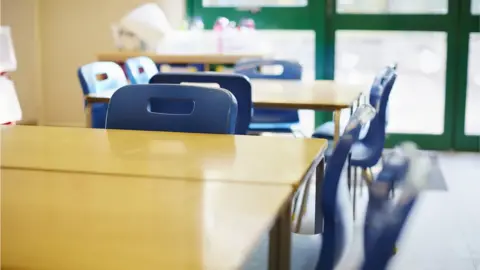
(444, 229)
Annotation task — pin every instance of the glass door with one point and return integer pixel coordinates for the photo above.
(418, 35)
(467, 128)
(302, 23)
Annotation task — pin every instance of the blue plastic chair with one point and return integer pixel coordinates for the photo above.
(238, 85)
(327, 129)
(325, 251)
(176, 108)
(140, 69)
(97, 77)
(367, 152)
(271, 120)
(384, 220)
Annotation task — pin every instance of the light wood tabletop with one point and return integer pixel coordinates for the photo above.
(196, 157)
(67, 221)
(323, 95)
(121, 57)
(308, 95)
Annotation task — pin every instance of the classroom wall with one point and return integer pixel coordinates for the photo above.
(73, 32)
(22, 16)
(52, 39)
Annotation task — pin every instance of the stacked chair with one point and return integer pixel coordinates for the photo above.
(367, 152)
(385, 219)
(97, 77)
(140, 70)
(325, 251)
(271, 120)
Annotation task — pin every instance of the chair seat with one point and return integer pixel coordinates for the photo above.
(327, 131)
(266, 116)
(305, 253)
(362, 155)
(272, 127)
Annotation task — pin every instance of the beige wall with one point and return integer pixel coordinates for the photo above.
(23, 17)
(60, 36)
(73, 32)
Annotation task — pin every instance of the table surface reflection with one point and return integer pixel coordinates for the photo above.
(309, 95)
(197, 157)
(63, 221)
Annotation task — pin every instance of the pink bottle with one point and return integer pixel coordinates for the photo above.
(221, 24)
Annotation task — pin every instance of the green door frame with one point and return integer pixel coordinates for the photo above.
(321, 17)
(467, 24)
(410, 22)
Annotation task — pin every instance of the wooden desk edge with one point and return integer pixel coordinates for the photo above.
(313, 166)
(303, 106)
(91, 100)
(297, 106)
(121, 57)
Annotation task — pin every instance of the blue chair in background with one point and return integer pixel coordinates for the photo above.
(385, 219)
(327, 130)
(324, 252)
(97, 77)
(367, 152)
(271, 120)
(176, 108)
(140, 69)
(238, 85)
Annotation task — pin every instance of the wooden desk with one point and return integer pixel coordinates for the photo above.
(206, 59)
(190, 157)
(67, 221)
(325, 95)
(315, 95)
(195, 157)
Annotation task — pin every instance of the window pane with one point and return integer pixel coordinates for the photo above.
(472, 114)
(254, 3)
(417, 101)
(393, 6)
(475, 6)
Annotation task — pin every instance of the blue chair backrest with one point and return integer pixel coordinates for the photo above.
(238, 85)
(381, 79)
(140, 69)
(384, 220)
(97, 77)
(336, 205)
(292, 70)
(100, 76)
(176, 108)
(375, 137)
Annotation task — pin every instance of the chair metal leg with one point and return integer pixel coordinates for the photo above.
(361, 187)
(354, 196)
(349, 174)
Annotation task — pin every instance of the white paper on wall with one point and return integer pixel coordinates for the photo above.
(10, 110)
(8, 61)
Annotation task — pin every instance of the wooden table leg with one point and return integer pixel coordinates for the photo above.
(336, 121)
(319, 176)
(280, 239)
(88, 115)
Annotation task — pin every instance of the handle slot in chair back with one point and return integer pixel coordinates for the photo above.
(176, 108)
(236, 84)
